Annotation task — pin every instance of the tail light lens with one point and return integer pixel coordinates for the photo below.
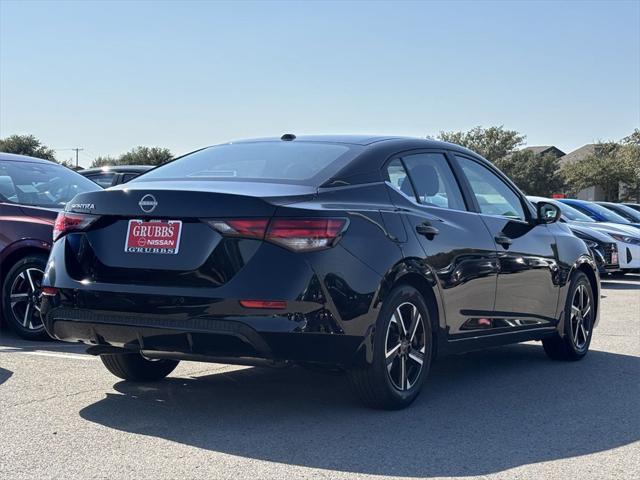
(71, 222)
(297, 234)
(247, 227)
(305, 234)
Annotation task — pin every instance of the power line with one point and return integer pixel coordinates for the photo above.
(77, 150)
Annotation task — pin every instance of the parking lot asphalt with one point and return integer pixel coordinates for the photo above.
(507, 412)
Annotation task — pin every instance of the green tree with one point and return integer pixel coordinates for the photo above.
(609, 166)
(492, 143)
(629, 154)
(633, 139)
(26, 145)
(145, 156)
(533, 174)
(103, 162)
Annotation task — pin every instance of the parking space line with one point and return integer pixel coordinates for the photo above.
(71, 356)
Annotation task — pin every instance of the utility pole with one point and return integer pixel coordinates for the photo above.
(77, 150)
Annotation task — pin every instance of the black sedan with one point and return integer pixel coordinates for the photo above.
(370, 254)
(114, 175)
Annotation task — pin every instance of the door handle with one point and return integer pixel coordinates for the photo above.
(503, 240)
(427, 230)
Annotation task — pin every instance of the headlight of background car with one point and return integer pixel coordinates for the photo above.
(625, 238)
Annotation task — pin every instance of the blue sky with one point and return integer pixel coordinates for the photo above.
(108, 76)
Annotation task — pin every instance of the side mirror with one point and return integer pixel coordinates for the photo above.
(547, 212)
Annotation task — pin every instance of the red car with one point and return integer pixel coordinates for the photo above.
(32, 192)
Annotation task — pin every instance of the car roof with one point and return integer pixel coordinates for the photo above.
(12, 157)
(574, 200)
(117, 169)
(348, 139)
(362, 140)
(534, 198)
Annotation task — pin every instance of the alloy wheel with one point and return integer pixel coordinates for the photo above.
(581, 317)
(24, 298)
(405, 346)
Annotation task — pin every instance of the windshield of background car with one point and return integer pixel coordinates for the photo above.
(305, 163)
(629, 213)
(570, 213)
(41, 184)
(608, 214)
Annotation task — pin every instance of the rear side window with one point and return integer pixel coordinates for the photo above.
(493, 195)
(286, 162)
(433, 181)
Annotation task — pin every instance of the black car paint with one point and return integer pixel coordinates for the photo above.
(334, 295)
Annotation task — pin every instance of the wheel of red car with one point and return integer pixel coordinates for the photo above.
(21, 293)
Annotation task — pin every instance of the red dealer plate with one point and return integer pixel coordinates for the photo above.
(155, 236)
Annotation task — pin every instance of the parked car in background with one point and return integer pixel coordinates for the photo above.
(370, 254)
(626, 236)
(603, 246)
(114, 175)
(598, 212)
(624, 211)
(32, 192)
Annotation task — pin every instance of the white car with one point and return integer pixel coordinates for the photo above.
(627, 237)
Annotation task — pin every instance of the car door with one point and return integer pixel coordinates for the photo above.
(455, 242)
(528, 285)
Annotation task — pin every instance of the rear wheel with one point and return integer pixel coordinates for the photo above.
(136, 368)
(402, 353)
(21, 293)
(579, 315)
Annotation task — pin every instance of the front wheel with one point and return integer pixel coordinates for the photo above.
(134, 367)
(579, 317)
(402, 353)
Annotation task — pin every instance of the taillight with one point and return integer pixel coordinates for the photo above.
(298, 234)
(305, 234)
(246, 227)
(71, 222)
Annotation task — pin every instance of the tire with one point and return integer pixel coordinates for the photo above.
(574, 344)
(381, 384)
(21, 297)
(135, 368)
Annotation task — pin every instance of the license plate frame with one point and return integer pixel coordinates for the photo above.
(153, 237)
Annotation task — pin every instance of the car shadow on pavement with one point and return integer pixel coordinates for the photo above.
(479, 413)
(5, 375)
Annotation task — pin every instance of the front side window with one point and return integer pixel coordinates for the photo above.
(433, 181)
(493, 195)
(41, 184)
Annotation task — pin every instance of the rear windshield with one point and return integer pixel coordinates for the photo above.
(41, 184)
(282, 162)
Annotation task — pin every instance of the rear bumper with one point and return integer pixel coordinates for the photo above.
(271, 337)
